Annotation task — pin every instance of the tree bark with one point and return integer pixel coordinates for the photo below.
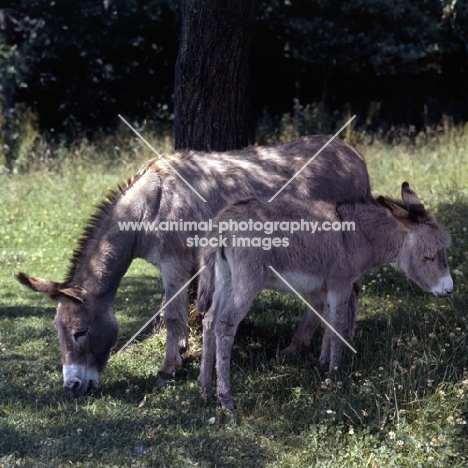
(7, 104)
(211, 75)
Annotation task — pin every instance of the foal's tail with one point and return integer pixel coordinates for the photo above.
(215, 277)
(206, 282)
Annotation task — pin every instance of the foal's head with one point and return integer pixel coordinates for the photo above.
(422, 255)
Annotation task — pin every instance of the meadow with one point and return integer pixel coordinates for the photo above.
(401, 401)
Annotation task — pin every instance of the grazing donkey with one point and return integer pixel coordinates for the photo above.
(85, 322)
(384, 231)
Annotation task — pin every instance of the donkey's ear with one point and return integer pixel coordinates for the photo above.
(54, 290)
(412, 202)
(38, 284)
(75, 294)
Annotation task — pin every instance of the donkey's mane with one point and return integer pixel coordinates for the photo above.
(93, 225)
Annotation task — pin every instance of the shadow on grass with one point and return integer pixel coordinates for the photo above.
(137, 300)
(26, 312)
(153, 437)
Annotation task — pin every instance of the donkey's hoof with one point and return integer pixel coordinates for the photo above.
(163, 377)
(183, 345)
(289, 351)
(324, 359)
(227, 402)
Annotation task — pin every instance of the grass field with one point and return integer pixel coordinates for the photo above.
(402, 401)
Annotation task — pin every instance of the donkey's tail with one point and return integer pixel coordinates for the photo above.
(206, 282)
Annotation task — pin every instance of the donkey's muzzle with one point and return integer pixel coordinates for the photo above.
(77, 387)
(79, 379)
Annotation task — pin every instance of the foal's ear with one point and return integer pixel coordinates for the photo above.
(412, 202)
(54, 290)
(397, 210)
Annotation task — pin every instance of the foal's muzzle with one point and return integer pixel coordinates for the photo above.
(444, 287)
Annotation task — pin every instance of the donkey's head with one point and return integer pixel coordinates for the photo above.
(422, 255)
(87, 330)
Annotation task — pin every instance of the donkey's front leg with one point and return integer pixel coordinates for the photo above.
(174, 275)
(309, 323)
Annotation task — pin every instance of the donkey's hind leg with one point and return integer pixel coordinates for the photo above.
(309, 323)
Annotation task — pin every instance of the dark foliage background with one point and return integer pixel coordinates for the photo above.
(78, 64)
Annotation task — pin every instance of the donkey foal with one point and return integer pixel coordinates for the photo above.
(329, 261)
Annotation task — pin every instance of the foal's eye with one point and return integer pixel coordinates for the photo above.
(81, 334)
(429, 257)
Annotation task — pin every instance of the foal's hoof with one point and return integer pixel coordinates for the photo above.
(207, 390)
(207, 393)
(163, 377)
(227, 402)
(332, 369)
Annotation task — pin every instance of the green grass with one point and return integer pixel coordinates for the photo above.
(401, 401)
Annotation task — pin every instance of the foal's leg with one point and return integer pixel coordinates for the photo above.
(209, 339)
(353, 304)
(338, 312)
(208, 354)
(175, 274)
(247, 281)
(309, 323)
(225, 328)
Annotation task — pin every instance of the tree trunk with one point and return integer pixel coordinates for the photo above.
(212, 75)
(7, 105)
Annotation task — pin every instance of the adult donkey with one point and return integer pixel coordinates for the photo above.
(170, 190)
(330, 261)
